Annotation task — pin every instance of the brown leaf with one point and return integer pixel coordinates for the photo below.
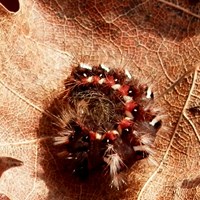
(156, 40)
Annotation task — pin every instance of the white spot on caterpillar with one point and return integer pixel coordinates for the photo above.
(155, 120)
(90, 79)
(70, 157)
(105, 67)
(127, 98)
(98, 136)
(115, 132)
(101, 81)
(149, 93)
(85, 66)
(129, 114)
(116, 87)
(128, 118)
(128, 74)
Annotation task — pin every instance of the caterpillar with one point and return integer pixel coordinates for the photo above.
(108, 118)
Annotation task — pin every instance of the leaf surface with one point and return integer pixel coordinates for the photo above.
(158, 41)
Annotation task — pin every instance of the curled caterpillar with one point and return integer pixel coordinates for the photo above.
(107, 119)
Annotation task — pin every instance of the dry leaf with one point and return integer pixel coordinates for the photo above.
(156, 40)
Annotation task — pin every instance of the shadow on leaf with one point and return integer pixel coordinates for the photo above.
(193, 183)
(7, 163)
(156, 17)
(58, 171)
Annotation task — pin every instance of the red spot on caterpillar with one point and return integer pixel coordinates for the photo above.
(124, 90)
(125, 123)
(93, 135)
(96, 79)
(110, 80)
(111, 135)
(130, 106)
(84, 81)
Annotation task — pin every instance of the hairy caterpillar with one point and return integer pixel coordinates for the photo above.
(107, 119)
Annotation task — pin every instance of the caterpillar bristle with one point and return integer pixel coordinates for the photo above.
(115, 164)
(61, 140)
